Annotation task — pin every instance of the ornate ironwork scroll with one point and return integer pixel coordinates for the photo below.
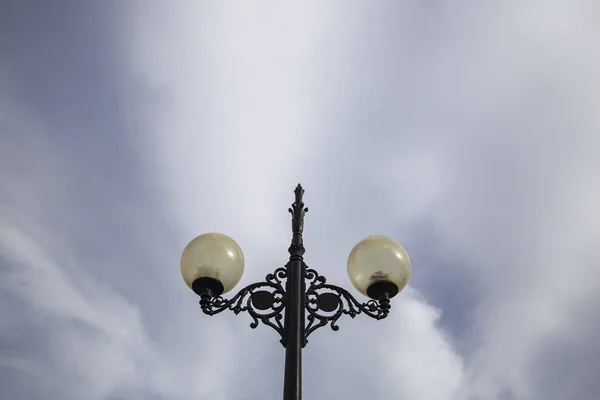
(326, 303)
(264, 302)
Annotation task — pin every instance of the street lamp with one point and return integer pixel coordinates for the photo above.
(213, 263)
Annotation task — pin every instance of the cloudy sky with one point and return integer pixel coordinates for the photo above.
(467, 130)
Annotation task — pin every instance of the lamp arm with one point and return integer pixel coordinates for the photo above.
(326, 303)
(264, 301)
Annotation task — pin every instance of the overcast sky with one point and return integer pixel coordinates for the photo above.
(467, 130)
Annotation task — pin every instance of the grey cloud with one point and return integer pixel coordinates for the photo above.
(468, 133)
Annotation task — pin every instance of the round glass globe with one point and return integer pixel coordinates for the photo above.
(213, 255)
(381, 260)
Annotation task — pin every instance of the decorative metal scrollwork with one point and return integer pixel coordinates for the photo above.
(312, 302)
(326, 303)
(264, 301)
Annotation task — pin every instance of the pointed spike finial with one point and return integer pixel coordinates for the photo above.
(299, 191)
(297, 210)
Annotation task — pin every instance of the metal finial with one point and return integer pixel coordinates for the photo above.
(297, 210)
(299, 191)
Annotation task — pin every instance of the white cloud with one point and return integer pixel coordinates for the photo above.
(101, 357)
(239, 121)
(419, 357)
(93, 340)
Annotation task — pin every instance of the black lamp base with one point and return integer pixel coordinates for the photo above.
(381, 288)
(200, 285)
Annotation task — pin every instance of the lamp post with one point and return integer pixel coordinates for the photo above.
(378, 267)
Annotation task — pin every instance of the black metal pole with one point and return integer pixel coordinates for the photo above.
(294, 316)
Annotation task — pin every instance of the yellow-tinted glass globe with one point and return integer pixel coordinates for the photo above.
(213, 255)
(377, 259)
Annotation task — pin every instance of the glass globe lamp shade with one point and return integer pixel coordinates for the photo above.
(378, 265)
(213, 261)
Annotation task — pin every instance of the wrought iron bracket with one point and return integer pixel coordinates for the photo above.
(264, 301)
(326, 303)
